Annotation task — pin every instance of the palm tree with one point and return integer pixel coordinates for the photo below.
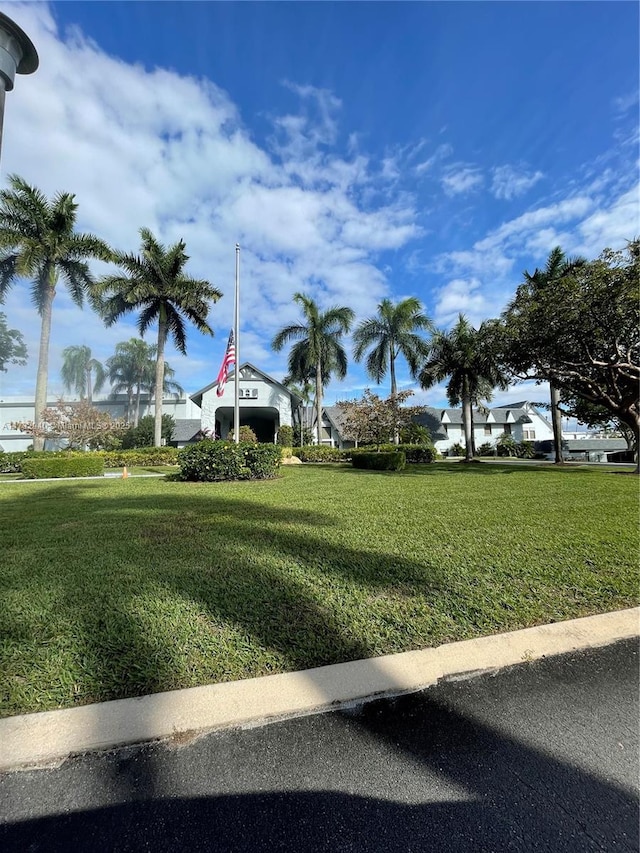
(128, 370)
(78, 370)
(463, 356)
(558, 266)
(391, 333)
(38, 241)
(302, 387)
(317, 351)
(169, 387)
(154, 283)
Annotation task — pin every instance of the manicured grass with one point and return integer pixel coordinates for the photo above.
(122, 587)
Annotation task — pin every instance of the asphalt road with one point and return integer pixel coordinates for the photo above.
(540, 757)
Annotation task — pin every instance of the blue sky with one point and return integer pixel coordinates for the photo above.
(356, 151)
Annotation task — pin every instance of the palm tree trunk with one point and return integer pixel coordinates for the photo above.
(319, 402)
(43, 359)
(129, 404)
(162, 336)
(466, 420)
(89, 389)
(394, 387)
(136, 419)
(556, 422)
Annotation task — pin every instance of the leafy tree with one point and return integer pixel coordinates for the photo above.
(558, 266)
(12, 346)
(372, 420)
(393, 332)
(143, 435)
(465, 357)
(318, 350)
(154, 284)
(38, 241)
(582, 334)
(79, 423)
(78, 372)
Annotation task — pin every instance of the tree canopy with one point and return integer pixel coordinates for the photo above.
(38, 241)
(394, 331)
(154, 283)
(12, 346)
(317, 351)
(583, 334)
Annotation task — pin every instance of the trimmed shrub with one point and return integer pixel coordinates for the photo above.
(319, 453)
(414, 453)
(262, 460)
(140, 456)
(245, 433)
(385, 461)
(82, 465)
(210, 461)
(286, 452)
(285, 436)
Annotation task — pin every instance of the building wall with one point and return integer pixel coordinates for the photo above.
(537, 430)
(256, 394)
(13, 409)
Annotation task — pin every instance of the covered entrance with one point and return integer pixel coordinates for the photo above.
(263, 420)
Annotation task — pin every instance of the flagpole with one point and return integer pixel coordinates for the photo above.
(236, 330)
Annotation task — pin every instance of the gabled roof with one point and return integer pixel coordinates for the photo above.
(197, 397)
(499, 415)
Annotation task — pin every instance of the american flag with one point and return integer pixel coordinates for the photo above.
(229, 358)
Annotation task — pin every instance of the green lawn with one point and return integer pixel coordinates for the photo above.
(122, 587)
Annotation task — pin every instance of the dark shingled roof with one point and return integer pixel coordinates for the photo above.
(186, 430)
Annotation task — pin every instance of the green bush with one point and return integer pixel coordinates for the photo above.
(506, 445)
(286, 452)
(319, 453)
(211, 461)
(140, 456)
(285, 436)
(81, 465)
(456, 450)
(414, 453)
(525, 450)
(262, 460)
(143, 434)
(245, 433)
(385, 461)
(415, 434)
(486, 449)
(11, 463)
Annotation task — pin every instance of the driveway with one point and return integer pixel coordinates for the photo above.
(539, 757)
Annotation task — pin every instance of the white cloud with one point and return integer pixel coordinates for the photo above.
(441, 153)
(509, 182)
(624, 103)
(460, 296)
(462, 179)
(170, 152)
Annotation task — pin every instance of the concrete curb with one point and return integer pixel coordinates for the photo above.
(44, 739)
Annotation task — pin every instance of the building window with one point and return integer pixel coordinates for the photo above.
(528, 434)
(507, 429)
(487, 429)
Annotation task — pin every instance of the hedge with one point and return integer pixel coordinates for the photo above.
(10, 463)
(211, 461)
(82, 465)
(414, 453)
(320, 453)
(386, 461)
(139, 456)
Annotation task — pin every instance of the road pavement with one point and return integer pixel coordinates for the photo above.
(539, 757)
